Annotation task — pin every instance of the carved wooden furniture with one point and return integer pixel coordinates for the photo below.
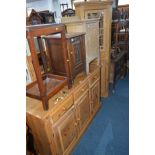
(124, 11)
(41, 17)
(104, 8)
(120, 35)
(57, 130)
(48, 84)
(34, 18)
(91, 28)
(73, 56)
(68, 12)
(120, 31)
(47, 17)
(117, 67)
(64, 6)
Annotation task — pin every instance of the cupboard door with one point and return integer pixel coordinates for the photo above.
(83, 109)
(65, 130)
(95, 97)
(77, 54)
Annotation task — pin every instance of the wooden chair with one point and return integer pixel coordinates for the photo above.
(120, 35)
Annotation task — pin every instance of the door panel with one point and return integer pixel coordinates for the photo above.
(84, 110)
(95, 96)
(66, 131)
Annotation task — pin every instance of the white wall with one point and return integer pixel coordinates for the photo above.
(122, 2)
(51, 5)
(66, 1)
(38, 5)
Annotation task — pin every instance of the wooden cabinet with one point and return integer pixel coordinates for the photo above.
(95, 97)
(82, 102)
(70, 61)
(65, 131)
(59, 112)
(76, 51)
(91, 28)
(83, 110)
(102, 9)
(57, 130)
(95, 90)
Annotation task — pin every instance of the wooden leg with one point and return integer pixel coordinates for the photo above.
(45, 103)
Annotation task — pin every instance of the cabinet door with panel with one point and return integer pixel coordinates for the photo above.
(95, 96)
(83, 110)
(67, 63)
(65, 131)
(77, 54)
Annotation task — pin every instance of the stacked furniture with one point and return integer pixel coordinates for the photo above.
(57, 130)
(120, 44)
(57, 119)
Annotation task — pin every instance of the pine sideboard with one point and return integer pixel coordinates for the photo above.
(57, 130)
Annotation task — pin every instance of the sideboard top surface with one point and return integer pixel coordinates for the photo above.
(34, 106)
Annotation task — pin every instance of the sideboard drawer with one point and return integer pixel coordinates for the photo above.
(80, 91)
(62, 109)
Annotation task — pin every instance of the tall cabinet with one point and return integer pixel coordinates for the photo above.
(102, 9)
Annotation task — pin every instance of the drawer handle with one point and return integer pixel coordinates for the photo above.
(59, 115)
(67, 60)
(71, 53)
(64, 108)
(82, 90)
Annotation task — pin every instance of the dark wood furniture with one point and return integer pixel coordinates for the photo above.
(120, 31)
(45, 85)
(47, 17)
(120, 35)
(69, 60)
(68, 12)
(124, 11)
(41, 17)
(63, 6)
(117, 67)
(34, 18)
